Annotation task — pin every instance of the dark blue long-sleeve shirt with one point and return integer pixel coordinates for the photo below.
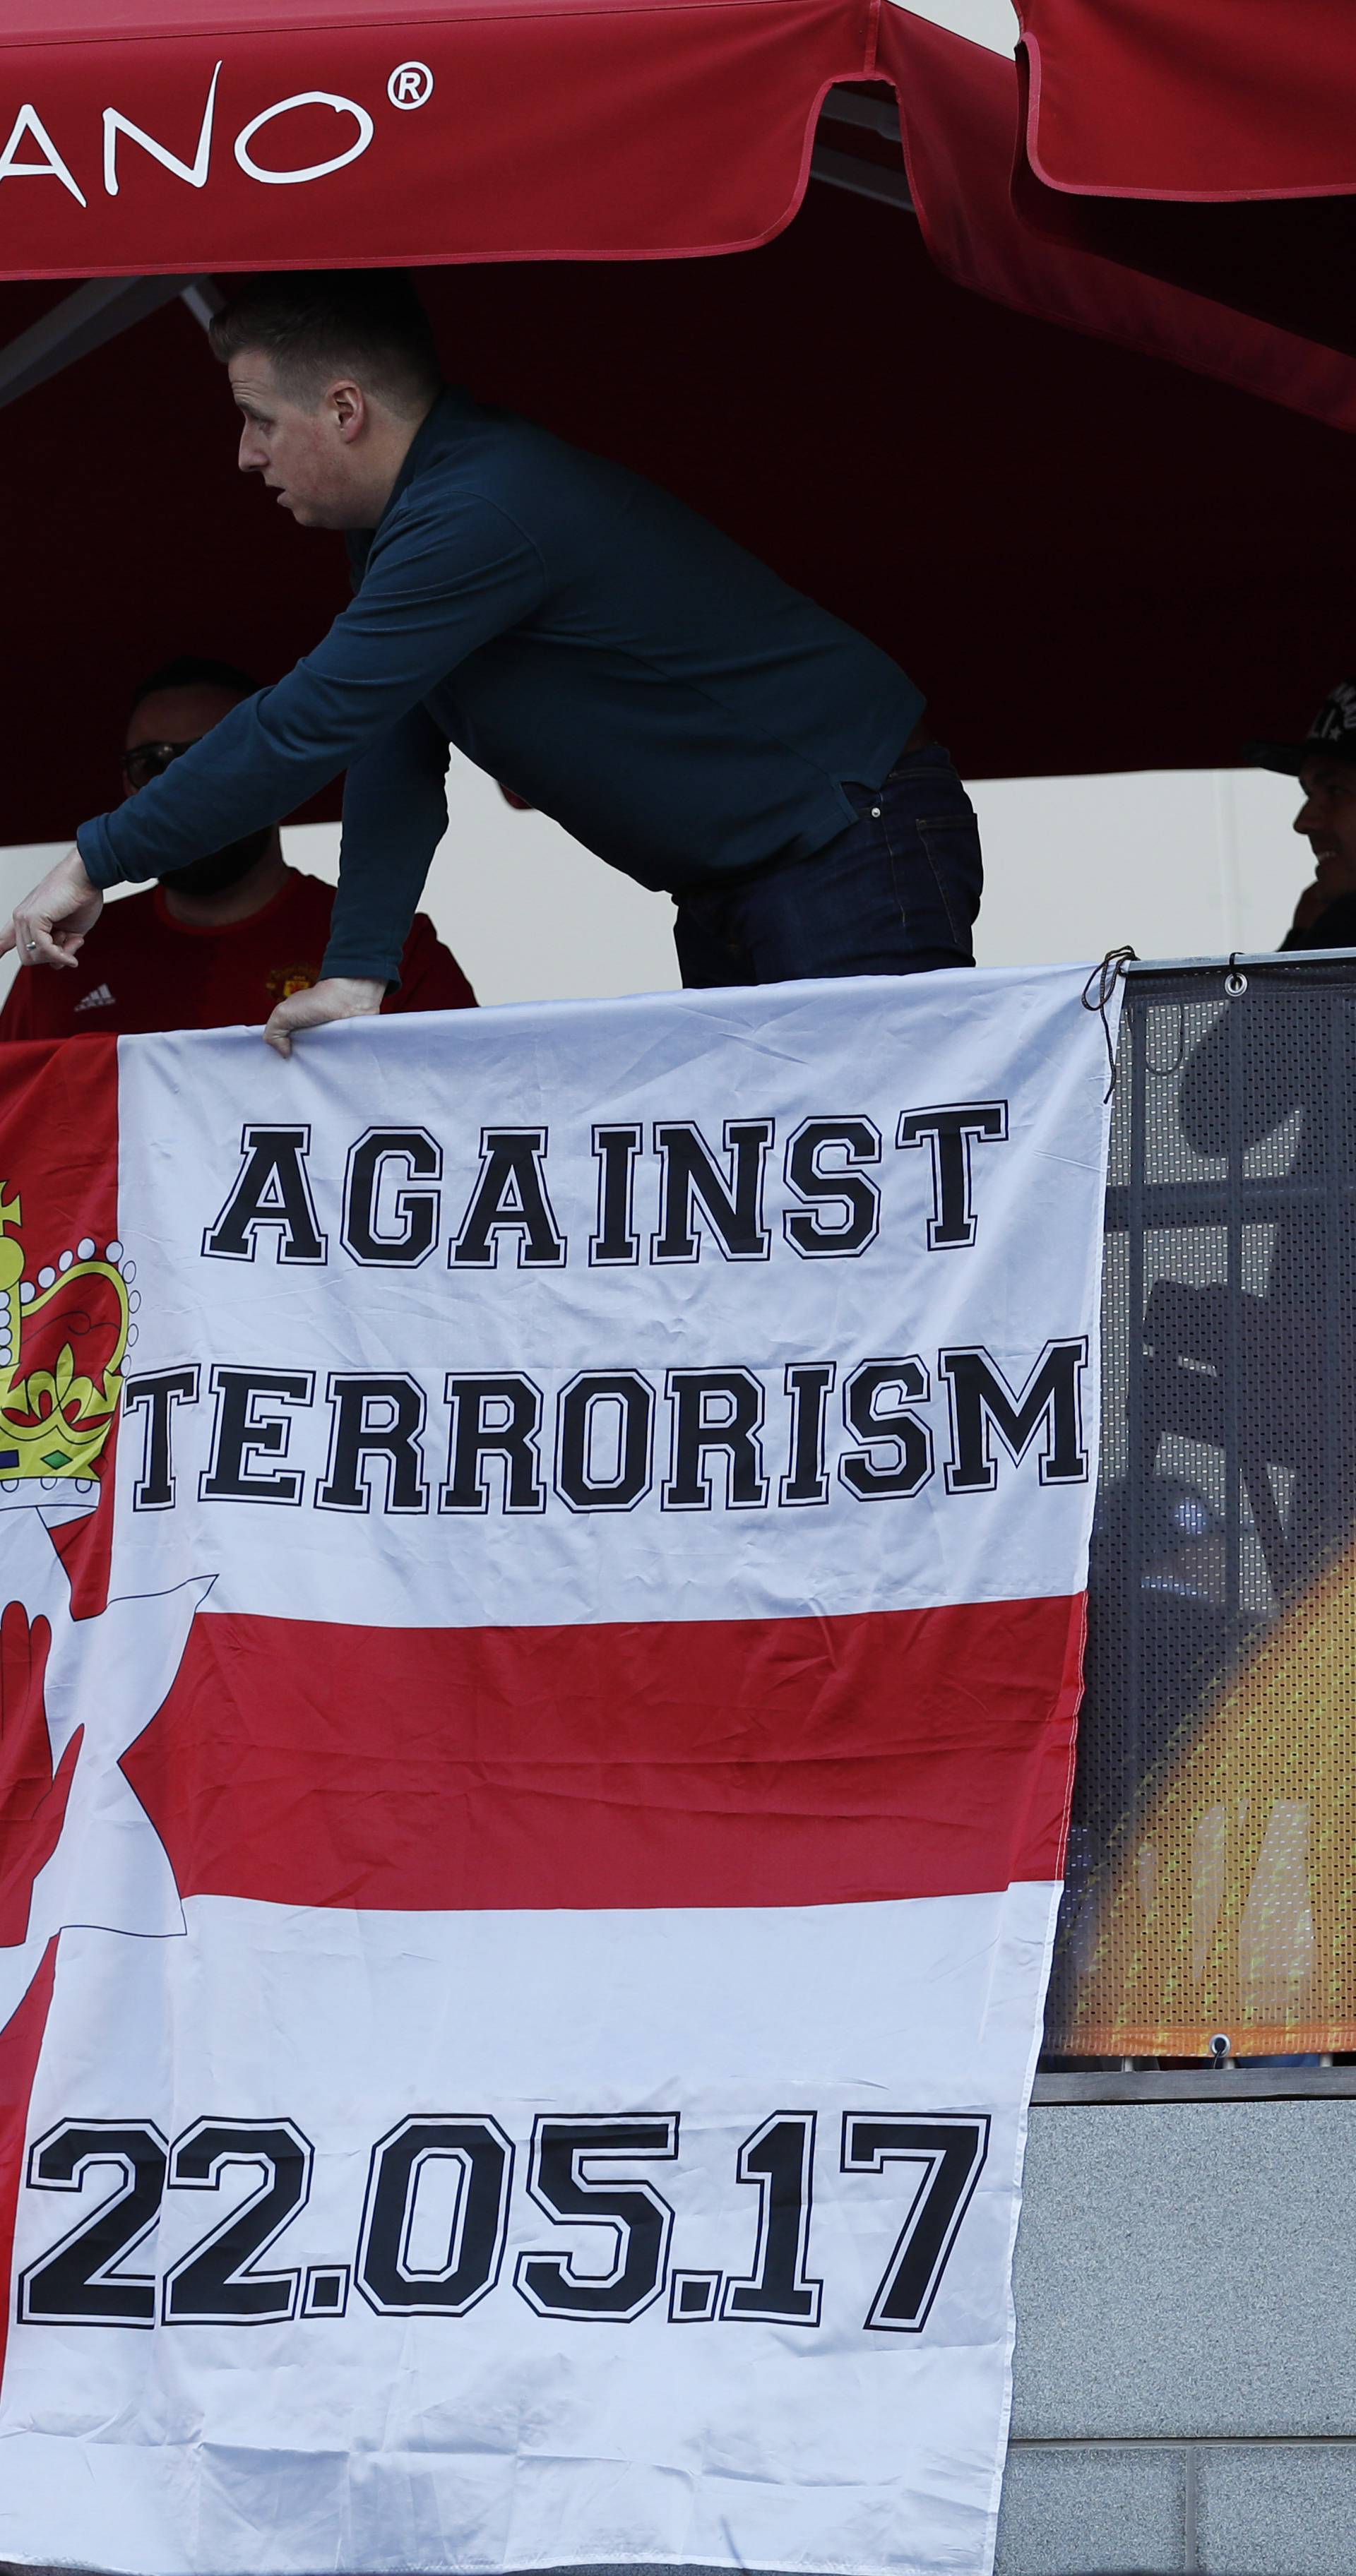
(579, 633)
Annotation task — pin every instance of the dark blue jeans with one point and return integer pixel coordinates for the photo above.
(895, 894)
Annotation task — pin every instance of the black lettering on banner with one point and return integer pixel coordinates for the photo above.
(216, 2283)
(843, 1186)
(779, 2158)
(616, 1243)
(584, 1408)
(637, 2217)
(272, 1190)
(982, 1402)
(482, 2159)
(415, 1211)
(694, 2297)
(375, 1418)
(510, 1197)
(809, 1385)
(79, 2282)
(889, 1425)
(952, 1133)
(951, 2152)
(434, 2224)
(477, 1437)
(691, 1183)
(325, 2290)
(239, 1435)
(698, 1432)
(159, 1391)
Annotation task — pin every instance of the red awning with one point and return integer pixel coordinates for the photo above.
(959, 106)
(182, 135)
(1089, 558)
(145, 137)
(1194, 99)
(148, 136)
(1212, 142)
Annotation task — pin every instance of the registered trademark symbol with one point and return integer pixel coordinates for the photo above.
(410, 85)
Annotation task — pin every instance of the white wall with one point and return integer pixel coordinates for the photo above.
(1174, 862)
(986, 22)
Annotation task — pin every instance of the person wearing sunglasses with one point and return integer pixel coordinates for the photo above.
(224, 940)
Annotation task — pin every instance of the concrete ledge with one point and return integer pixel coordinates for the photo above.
(1277, 2509)
(1178, 2275)
(1232, 2084)
(1114, 2511)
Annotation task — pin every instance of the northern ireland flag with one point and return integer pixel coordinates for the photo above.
(542, 1557)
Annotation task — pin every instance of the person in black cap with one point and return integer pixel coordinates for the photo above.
(1281, 1366)
(1325, 765)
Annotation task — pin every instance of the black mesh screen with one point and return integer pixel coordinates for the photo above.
(1212, 1863)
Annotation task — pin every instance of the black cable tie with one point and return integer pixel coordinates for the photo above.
(1097, 993)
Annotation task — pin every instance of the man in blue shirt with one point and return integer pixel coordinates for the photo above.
(678, 708)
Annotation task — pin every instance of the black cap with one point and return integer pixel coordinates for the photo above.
(1332, 733)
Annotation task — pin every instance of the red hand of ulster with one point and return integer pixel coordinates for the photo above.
(32, 1798)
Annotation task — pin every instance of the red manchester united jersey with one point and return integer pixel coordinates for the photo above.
(139, 969)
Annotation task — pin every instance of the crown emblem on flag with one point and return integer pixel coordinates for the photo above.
(63, 1339)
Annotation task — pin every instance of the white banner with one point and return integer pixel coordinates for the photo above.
(534, 1773)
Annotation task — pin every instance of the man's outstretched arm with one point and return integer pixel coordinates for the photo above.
(381, 876)
(446, 579)
(437, 587)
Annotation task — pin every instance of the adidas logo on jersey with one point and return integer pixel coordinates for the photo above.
(98, 1000)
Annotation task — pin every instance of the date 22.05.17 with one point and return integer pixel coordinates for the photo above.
(579, 2171)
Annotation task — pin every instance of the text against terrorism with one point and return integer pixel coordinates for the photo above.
(729, 1436)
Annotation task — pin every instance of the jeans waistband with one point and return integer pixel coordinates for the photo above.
(929, 755)
(924, 755)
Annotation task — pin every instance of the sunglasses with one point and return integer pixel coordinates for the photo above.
(148, 760)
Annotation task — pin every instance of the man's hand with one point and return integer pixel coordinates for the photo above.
(50, 925)
(335, 997)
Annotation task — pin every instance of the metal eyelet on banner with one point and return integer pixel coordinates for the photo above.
(1235, 982)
